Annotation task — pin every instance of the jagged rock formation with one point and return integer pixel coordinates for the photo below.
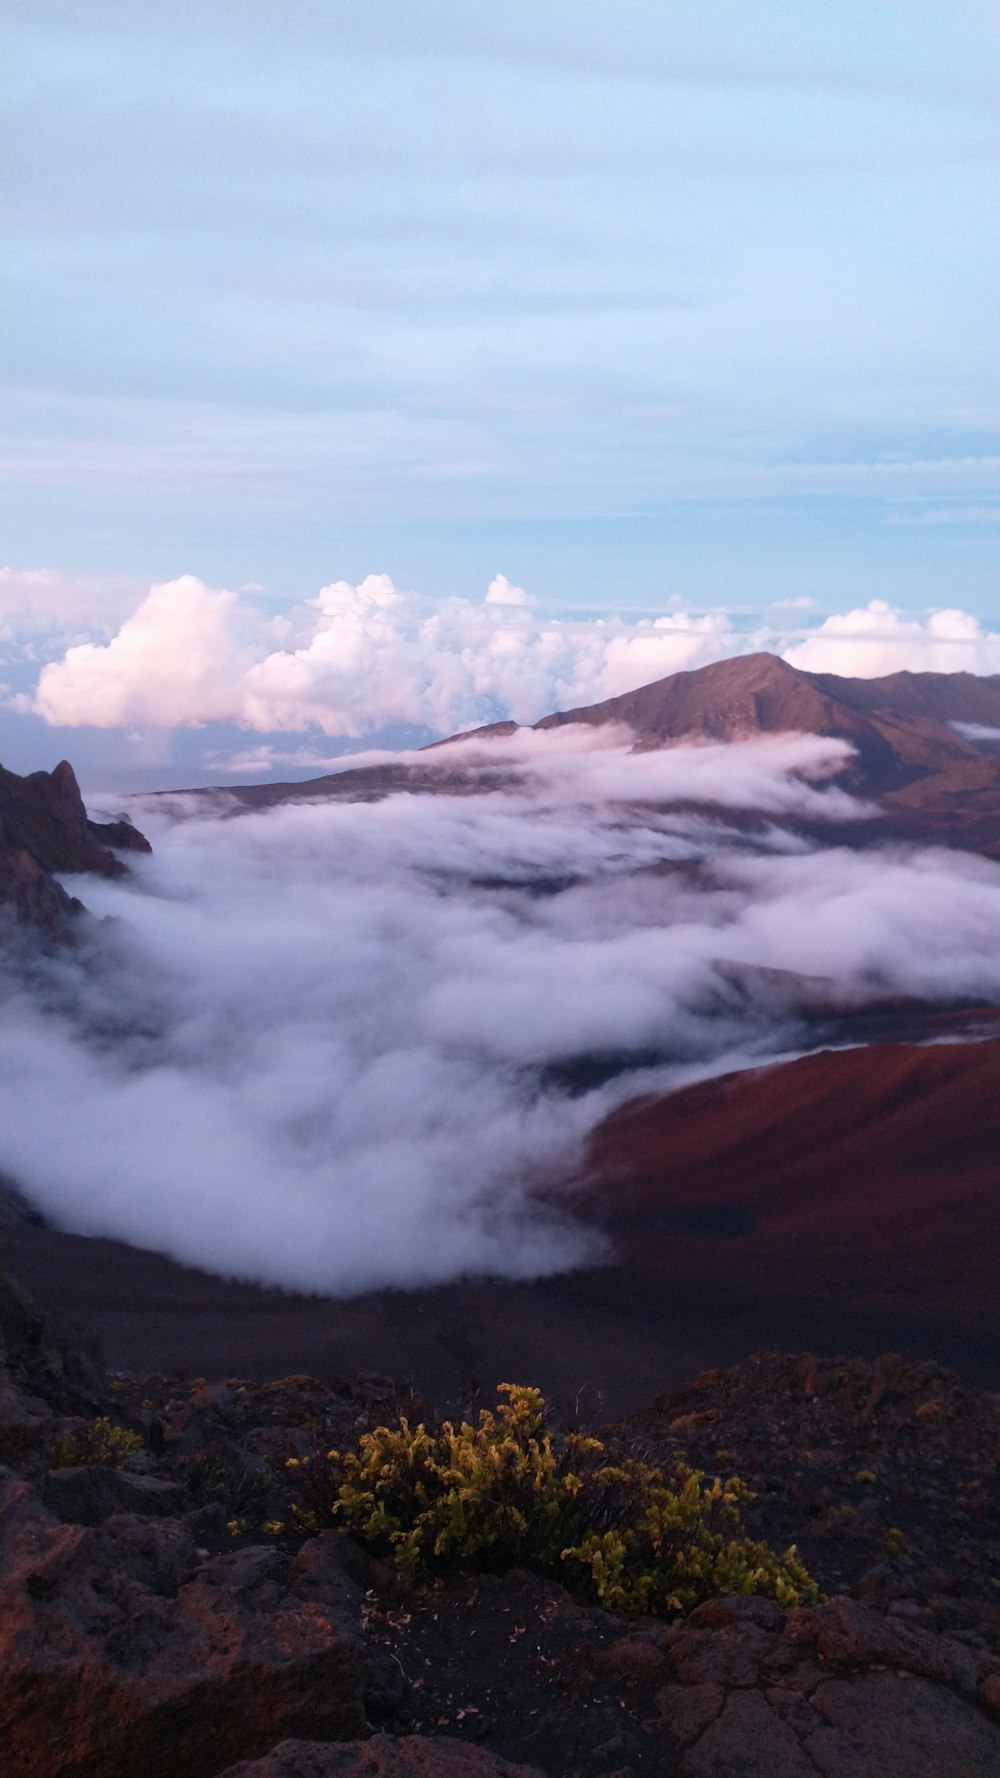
(44, 829)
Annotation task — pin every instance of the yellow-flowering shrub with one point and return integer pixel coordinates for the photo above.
(99, 1442)
(507, 1491)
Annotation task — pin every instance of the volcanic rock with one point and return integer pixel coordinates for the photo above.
(409, 1756)
(124, 1655)
(44, 829)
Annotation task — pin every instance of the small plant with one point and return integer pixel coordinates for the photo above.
(507, 1491)
(100, 1442)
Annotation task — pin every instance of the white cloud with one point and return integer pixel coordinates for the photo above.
(41, 600)
(877, 639)
(501, 592)
(357, 659)
(320, 1046)
(362, 657)
(181, 658)
(976, 731)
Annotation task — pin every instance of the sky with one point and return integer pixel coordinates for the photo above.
(373, 369)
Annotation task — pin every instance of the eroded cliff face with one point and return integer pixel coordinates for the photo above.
(45, 830)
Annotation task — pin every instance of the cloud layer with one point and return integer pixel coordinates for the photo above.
(358, 658)
(339, 1045)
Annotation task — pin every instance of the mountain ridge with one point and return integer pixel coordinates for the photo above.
(932, 782)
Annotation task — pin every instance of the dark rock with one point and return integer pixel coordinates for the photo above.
(44, 829)
(20, 1322)
(92, 1492)
(411, 1756)
(846, 1634)
(118, 1662)
(717, 1613)
(880, 1726)
(730, 1656)
(688, 1709)
(749, 1740)
(122, 835)
(631, 1657)
(319, 1574)
(25, 1422)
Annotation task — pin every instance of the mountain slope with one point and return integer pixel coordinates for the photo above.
(933, 782)
(868, 1173)
(900, 725)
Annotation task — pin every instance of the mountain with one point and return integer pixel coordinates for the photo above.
(44, 828)
(865, 1175)
(763, 694)
(934, 782)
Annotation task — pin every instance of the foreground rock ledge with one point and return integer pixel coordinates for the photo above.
(123, 1656)
(132, 1650)
(384, 1756)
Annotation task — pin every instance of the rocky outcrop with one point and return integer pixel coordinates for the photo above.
(163, 1612)
(44, 829)
(127, 1653)
(384, 1756)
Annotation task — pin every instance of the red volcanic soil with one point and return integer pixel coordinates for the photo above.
(865, 1175)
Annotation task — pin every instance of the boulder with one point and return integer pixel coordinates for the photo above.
(411, 1756)
(124, 1657)
(91, 1492)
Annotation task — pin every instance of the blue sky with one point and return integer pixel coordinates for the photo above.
(645, 306)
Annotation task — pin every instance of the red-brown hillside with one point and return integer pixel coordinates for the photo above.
(865, 1174)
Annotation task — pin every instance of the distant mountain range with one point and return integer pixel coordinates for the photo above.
(926, 742)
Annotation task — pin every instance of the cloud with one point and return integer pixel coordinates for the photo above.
(877, 639)
(359, 658)
(338, 1045)
(41, 600)
(976, 731)
(501, 592)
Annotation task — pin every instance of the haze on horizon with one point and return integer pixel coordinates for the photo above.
(434, 364)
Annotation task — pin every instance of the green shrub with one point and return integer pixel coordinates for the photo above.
(100, 1442)
(507, 1491)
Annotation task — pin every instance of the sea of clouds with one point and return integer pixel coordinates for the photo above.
(337, 1045)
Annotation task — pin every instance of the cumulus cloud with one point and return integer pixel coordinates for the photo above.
(181, 657)
(342, 1045)
(357, 659)
(877, 639)
(501, 592)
